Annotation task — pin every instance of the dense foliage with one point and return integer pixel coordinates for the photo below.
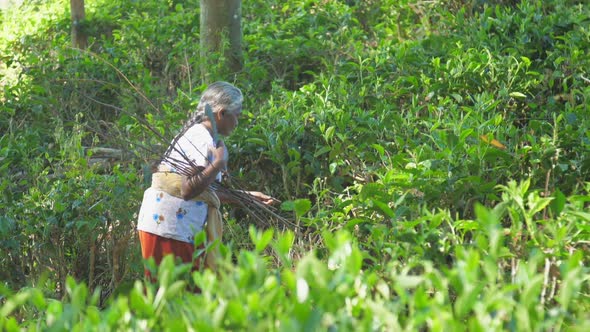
(436, 153)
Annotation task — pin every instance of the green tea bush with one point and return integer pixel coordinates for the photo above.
(484, 287)
(59, 226)
(434, 153)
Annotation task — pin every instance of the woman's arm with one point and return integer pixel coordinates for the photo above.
(195, 184)
(254, 195)
(202, 177)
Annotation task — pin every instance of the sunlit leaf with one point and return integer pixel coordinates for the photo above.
(517, 94)
(301, 206)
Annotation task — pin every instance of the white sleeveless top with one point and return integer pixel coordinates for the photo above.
(172, 217)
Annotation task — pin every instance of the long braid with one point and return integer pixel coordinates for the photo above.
(195, 118)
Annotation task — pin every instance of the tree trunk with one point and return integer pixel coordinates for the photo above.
(79, 37)
(221, 23)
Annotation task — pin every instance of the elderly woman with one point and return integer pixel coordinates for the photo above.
(181, 201)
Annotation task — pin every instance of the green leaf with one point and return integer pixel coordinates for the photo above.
(301, 206)
(408, 281)
(283, 245)
(257, 141)
(139, 304)
(260, 239)
(14, 302)
(558, 202)
(580, 214)
(569, 287)
(380, 149)
(457, 97)
(321, 151)
(333, 167)
(288, 206)
(236, 312)
(329, 133)
(385, 208)
(466, 300)
(517, 95)
(537, 204)
(175, 289)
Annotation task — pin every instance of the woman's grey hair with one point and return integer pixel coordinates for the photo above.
(220, 96)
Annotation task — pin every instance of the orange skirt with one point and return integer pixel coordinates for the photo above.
(156, 247)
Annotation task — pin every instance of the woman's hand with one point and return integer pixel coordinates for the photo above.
(262, 198)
